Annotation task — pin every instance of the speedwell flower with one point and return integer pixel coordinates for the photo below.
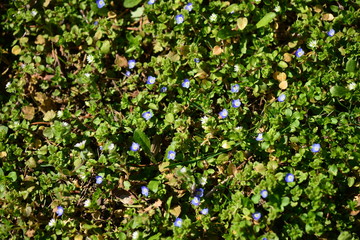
(151, 2)
(100, 3)
(289, 178)
(144, 191)
(196, 60)
(134, 147)
(256, 216)
(131, 63)
(204, 211)
(186, 83)
(259, 137)
(199, 192)
(281, 98)
(178, 222)
(195, 201)
(59, 211)
(315, 148)
(151, 80)
(299, 52)
(99, 179)
(235, 88)
(236, 103)
(171, 155)
(223, 114)
(147, 115)
(179, 18)
(331, 33)
(189, 7)
(264, 193)
(163, 89)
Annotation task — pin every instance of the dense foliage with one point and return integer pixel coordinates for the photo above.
(179, 120)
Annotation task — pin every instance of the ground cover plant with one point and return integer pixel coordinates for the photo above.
(179, 120)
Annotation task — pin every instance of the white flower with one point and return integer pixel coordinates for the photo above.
(183, 170)
(90, 58)
(80, 144)
(351, 86)
(111, 146)
(52, 222)
(203, 181)
(213, 17)
(33, 13)
(238, 128)
(277, 8)
(87, 203)
(236, 68)
(312, 44)
(60, 114)
(7, 85)
(64, 124)
(87, 74)
(204, 120)
(135, 235)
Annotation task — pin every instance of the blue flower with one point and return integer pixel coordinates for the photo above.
(59, 211)
(195, 201)
(315, 148)
(163, 89)
(186, 83)
(171, 155)
(235, 88)
(151, 2)
(178, 222)
(144, 191)
(179, 19)
(259, 137)
(256, 216)
(289, 178)
(100, 3)
(223, 114)
(151, 80)
(264, 193)
(127, 73)
(281, 98)
(189, 7)
(131, 63)
(135, 147)
(147, 115)
(264, 239)
(196, 60)
(96, 23)
(204, 211)
(236, 103)
(331, 33)
(299, 52)
(99, 179)
(199, 192)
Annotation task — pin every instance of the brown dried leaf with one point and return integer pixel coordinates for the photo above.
(121, 61)
(318, 8)
(287, 57)
(231, 170)
(111, 14)
(280, 76)
(176, 211)
(40, 39)
(3, 154)
(30, 233)
(217, 50)
(242, 22)
(283, 85)
(29, 112)
(327, 17)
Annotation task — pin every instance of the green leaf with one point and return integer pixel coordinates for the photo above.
(131, 3)
(154, 185)
(12, 176)
(169, 118)
(266, 20)
(350, 65)
(105, 47)
(143, 140)
(137, 13)
(345, 236)
(226, 33)
(338, 91)
(351, 181)
(333, 170)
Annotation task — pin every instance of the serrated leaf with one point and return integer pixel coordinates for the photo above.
(49, 115)
(338, 91)
(242, 23)
(266, 19)
(131, 3)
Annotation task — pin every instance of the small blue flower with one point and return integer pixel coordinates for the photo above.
(223, 114)
(131, 63)
(204, 211)
(259, 137)
(147, 115)
(144, 191)
(127, 73)
(236, 103)
(235, 88)
(59, 211)
(256, 216)
(315, 148)
(186, 83)
(179, 18)
(178, 222)
(135, 147)
(99, 179)
(331, 33)
(199, 192)
(163, 89)
(96, 23)
(151, 80)
(289, 178)
(281, 98)
(195, 201)
(171, 155)
(100, 3)
(264, 239)
(264, 193)
(151, 2)
(101, 148)
(299, 52)
(189, 7)
(196, 60)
